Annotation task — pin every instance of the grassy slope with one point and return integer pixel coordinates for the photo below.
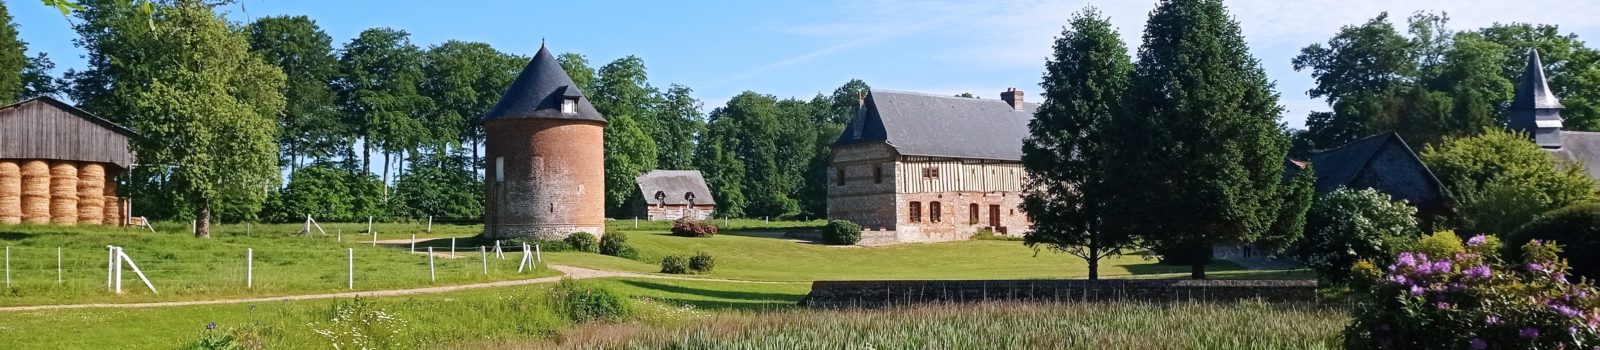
(497, 314)
(185, 268)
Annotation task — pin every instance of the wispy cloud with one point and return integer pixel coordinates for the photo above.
(860, 24)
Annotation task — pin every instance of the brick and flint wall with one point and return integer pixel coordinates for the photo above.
(545, 178)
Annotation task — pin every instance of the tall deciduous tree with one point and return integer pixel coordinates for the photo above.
(742, 160)
(1573, 67)
(678, 120)
(1086, 85)
(13, 58)
(1204, 154)
(205, 108)
(37, 80)
(379, 73)
(464, 80)
(622, 93)
(310, 120)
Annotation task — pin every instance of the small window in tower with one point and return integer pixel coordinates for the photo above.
(499, 169)
(839, 179)
(877, 174)
(569, 106)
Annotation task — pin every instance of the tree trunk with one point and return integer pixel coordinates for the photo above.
(474, 164)
(1094, 269)
(1202, 254)
(385, 176)
(1094, 258)
(366, 155)
(203, 220)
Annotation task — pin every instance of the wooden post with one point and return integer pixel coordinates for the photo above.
(431, 276)
(249, 268)
(350, 268)
(452, 247)
(413, 243)
(484, 251)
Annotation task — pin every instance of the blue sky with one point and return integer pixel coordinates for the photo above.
(800, 48)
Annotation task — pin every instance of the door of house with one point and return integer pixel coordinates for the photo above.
(994, 217)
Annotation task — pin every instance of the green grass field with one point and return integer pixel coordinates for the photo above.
(186, 268)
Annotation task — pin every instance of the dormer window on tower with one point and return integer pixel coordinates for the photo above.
(569, 105)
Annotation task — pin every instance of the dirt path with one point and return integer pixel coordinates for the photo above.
(568, 271)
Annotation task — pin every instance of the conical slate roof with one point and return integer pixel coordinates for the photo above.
(539, 91)
(1533, 92)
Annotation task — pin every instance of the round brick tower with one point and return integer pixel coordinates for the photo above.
(545, 176)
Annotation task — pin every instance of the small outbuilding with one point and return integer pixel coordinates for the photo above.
(1383, 162)
(675, 194)
(59, 164)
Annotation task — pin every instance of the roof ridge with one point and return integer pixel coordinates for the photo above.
(945, 96)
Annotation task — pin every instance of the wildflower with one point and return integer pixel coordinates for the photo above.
(1528, 332)
(1478, 272)
(1536, 267)
(1478, 343)
(210, 326)
(1416, 290)
(1399, 279)
(1477, 240)
(1441, 266)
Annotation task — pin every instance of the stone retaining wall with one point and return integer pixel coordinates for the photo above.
(846, 294)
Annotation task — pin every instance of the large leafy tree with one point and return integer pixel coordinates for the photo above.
(1501, 181)
(1204, 152)
(622, 93)
(832, 112)
(678, 120)
(741, 158)
(379, 73)
(464, 80)
(310, 120)
(13, 57)
(1573, 67)
(441, 185)
(1086, 84)
(205, 107)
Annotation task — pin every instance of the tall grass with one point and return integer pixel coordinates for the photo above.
(983, 326)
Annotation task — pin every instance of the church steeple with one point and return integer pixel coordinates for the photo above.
(1535, 109)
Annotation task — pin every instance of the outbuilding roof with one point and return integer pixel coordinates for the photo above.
(539, 92)
(675, 187)
(917, 124)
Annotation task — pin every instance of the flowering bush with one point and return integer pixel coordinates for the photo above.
(693, 228)
(1346, 226)
(1473, 300)
(360, 324)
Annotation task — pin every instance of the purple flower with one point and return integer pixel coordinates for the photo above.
(1441, 266)
(1477, 240)
(1564, 310)
(1399, 279)
(1536, 267)
(1528, 332)
(1406, 259)
(1442, 305)
(1478, 343)
(1416, 290)
(1491, 320)
(212, 325)
(1478, 272)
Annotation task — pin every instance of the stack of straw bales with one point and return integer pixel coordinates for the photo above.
(10, 192)
(35, 192)
(91, 194)
(63, 193)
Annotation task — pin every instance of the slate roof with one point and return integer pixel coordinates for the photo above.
(1580, 146)
(538, 92)
(917, 124)
(1532, 92)
(674, 184)
(1339, 166)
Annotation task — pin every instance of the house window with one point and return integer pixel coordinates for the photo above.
(972, 214)
(916, 212)
(499, 169)
(840, 178)
(877, 174)
(930, 173)
(933, 211)
(569, 106)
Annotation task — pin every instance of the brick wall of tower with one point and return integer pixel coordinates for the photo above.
(545, 178)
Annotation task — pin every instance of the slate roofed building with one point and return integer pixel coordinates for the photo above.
(675, 194)
(1383, 162)
(1535, 110)
(913, 167)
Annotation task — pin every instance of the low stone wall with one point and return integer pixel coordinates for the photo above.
(846, 294)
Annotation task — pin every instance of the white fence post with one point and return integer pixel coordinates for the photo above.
(538, 255)
(498, 253)
(374, 239)
(8, 266)
(431, 276)
(369, 226)
(124, 257)
(117, 252)
(484, 251)
(249, 268)
(338, 235)
(350, 268)
(430, 223)
(111, 265)
(525, 258)
(635, 222)
(413, 243)
(452, 247)
(58, 264)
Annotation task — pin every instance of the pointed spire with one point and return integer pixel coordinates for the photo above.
(544, 91)
(1534, 108)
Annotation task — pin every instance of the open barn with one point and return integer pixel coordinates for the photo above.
(59, 164)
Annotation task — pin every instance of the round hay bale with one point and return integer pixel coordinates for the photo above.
(91, 193)
(10, 192)
(35, 192)
(113, 211)
(63, 193)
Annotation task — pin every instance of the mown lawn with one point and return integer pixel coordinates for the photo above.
(423, 321)
(182, 267)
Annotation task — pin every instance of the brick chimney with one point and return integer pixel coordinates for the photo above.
(1013, 97)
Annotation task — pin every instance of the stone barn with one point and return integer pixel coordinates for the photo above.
(675, 194)
(59, 164)
(1383, 162)
(914, 167)
(544, 143)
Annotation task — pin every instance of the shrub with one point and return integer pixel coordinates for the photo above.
(616, 244)
(674, 264)
(583, 242)
(702, 262)
(988, 234)
(250, 337)
(1442, 243)
(1472, 300)
(1577, 228)
(841, 232)
(581, 302)
(1501, 181)
(360, 324)
(693, 228)
(1347, 225)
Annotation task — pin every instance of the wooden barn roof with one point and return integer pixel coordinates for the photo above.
(46, 128)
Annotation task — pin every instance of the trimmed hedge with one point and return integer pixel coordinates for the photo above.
(583, 242)
(841, 232)
(1575, 228)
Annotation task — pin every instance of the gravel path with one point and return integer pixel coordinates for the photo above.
(567, 271)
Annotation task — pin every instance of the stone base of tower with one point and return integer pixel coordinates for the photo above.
(540, 232)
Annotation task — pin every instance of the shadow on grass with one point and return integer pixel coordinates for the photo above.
(1154, 267)
(725, 299)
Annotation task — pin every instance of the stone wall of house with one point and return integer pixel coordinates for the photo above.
(679, 211)
(880, 187)
(866, 195)
(846, 294)
(956, 219)
(1396, 171)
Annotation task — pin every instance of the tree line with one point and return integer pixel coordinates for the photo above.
(381, 126)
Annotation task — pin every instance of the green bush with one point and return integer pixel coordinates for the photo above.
(1442, 243)
(702, 262)
(1346, 226)
(583, 242)
(1471, 300)
(988, 234)
(693, 228)
(581, 302)
(1576, 228)
(616, 244)
(841, 232)
(674, 264)
(250, 337)
(1501, 181)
